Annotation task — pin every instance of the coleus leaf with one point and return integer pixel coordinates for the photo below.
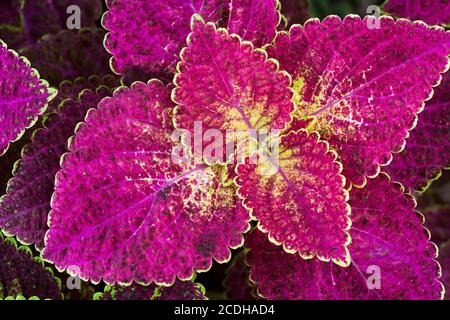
(148, 35)
(27, 20)
(430, 11)
(123, 210)
(180, 290)
(226, 84)
(66, 90)
(21, 298)
(69, 55)
(254, 20)
(444, 260)
(294, 11)
(23, 96)
(71, 89)
(21, 275)
(25, 206)
(141, 49)
(427, 149)
(389, 243)
(300, 200)
(438, 222)
(236, 283)
(362, 86)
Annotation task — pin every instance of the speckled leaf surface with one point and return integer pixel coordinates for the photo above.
(254, 20)
(23, 96)
(147, 36)
(427, 149)
(37, 18)
(69, 55)
(227, 85)
(444, 260)
(66, 90)
(21, 275)
(429, 11)
(25, 206)
(364, 87)
(179, 290)
(72, 89)
(236, 283)
(294, 11)
(142, 216)
(299, 199)
(437, 220)
(388, 240)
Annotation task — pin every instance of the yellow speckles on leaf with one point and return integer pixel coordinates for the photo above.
(298, 87)
(312, 126)
(205, 190)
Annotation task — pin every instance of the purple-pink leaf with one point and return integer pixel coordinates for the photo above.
(25, 206)
(69, 55)
(444, 260)
(427, 149)
(438, 222)
(226, 84)
(23, 96)
(236, 283)
(430, 11)
(299, 199)
(124, 210)
(27, 21)
(180, 290)
(66, 90)
(391, 255)
(254, 20)
(21, 275)
(363, 86)
(147, 36)
(72, 89)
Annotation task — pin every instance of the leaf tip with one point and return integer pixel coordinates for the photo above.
(195, 20)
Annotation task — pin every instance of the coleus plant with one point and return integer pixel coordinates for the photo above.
(337, 96)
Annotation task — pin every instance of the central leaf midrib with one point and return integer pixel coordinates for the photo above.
(251, 129)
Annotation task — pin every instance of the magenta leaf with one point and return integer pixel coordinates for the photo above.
(141, 49)
(254, 20)
(438, 222)
(72, 89)
(28, 20)
(180, 290)
(147, 36)
(25, 206)
(294, 11)
(227, 85)
(444, 260)
(236, 283)
(363, 86)
(23, 96)
(427, 149)
(21, 275)
(300, 200)
(391, 255)
(66, 90)
(69, 55)
(123, 210)
(430, 11)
